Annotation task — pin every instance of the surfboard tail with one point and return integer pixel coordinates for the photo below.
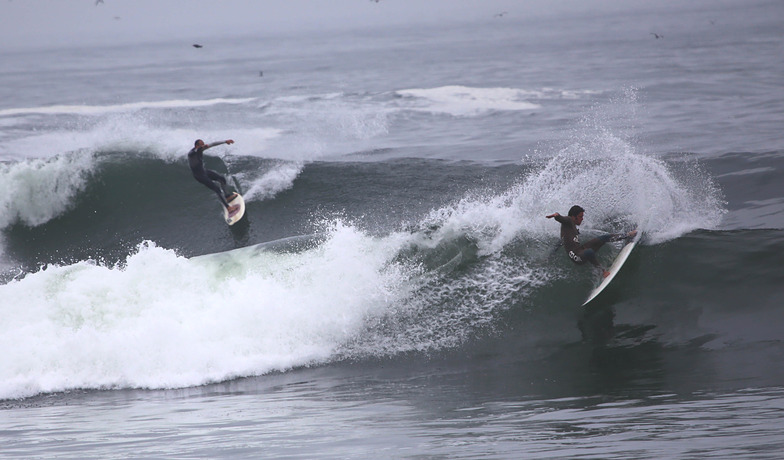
(234, 216)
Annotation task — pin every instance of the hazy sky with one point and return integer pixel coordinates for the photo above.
(76, 22)
(64, 23)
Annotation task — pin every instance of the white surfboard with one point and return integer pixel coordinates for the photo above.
(238, 215)
(615, 267)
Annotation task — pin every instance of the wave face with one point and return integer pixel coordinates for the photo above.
(131, 280)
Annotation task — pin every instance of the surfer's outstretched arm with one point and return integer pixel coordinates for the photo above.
(561, 219)
(227, 141)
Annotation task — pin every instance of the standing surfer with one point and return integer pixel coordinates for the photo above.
(570, 238)
(208, 177)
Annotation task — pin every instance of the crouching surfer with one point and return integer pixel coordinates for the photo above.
(570, 238)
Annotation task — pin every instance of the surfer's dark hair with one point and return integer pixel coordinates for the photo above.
(196, 144)
(575, 210)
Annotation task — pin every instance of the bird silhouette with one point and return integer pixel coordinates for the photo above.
(196, 45)
(657, 35)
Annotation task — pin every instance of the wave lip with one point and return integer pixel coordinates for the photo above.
(130, 106)
(36, 191)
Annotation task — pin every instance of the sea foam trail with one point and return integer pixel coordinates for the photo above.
(163, 321)
(267, 185)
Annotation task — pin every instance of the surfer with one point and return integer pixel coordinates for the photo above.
(570, 238)
(209, 177)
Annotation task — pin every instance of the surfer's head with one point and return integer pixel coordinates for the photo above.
(198, 143)
(577, 213)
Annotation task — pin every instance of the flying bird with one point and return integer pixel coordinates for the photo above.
(98, 2)
(196, 45)
(657, 35)
(501, 14)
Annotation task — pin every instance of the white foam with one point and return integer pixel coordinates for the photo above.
(163, 321)
(127, 107)
(602, 171)
(35, 191)
(605, 175)
(466, 101)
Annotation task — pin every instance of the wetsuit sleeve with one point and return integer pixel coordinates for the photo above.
(562, 219)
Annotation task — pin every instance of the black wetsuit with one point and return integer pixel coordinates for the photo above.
(579, 253)
(207, 176)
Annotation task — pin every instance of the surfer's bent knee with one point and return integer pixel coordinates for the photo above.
(590, 255)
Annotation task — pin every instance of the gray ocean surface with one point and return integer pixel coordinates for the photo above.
(395, 290)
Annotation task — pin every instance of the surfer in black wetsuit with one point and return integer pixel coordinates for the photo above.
(570, 238)
(209, 177)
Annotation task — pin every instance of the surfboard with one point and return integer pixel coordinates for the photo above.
(620, 259)
(236, 217)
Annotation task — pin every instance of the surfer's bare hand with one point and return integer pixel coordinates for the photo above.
(605, 274)
(230, 141)
(552, 215)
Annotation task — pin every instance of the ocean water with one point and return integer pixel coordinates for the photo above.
(395, 290)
